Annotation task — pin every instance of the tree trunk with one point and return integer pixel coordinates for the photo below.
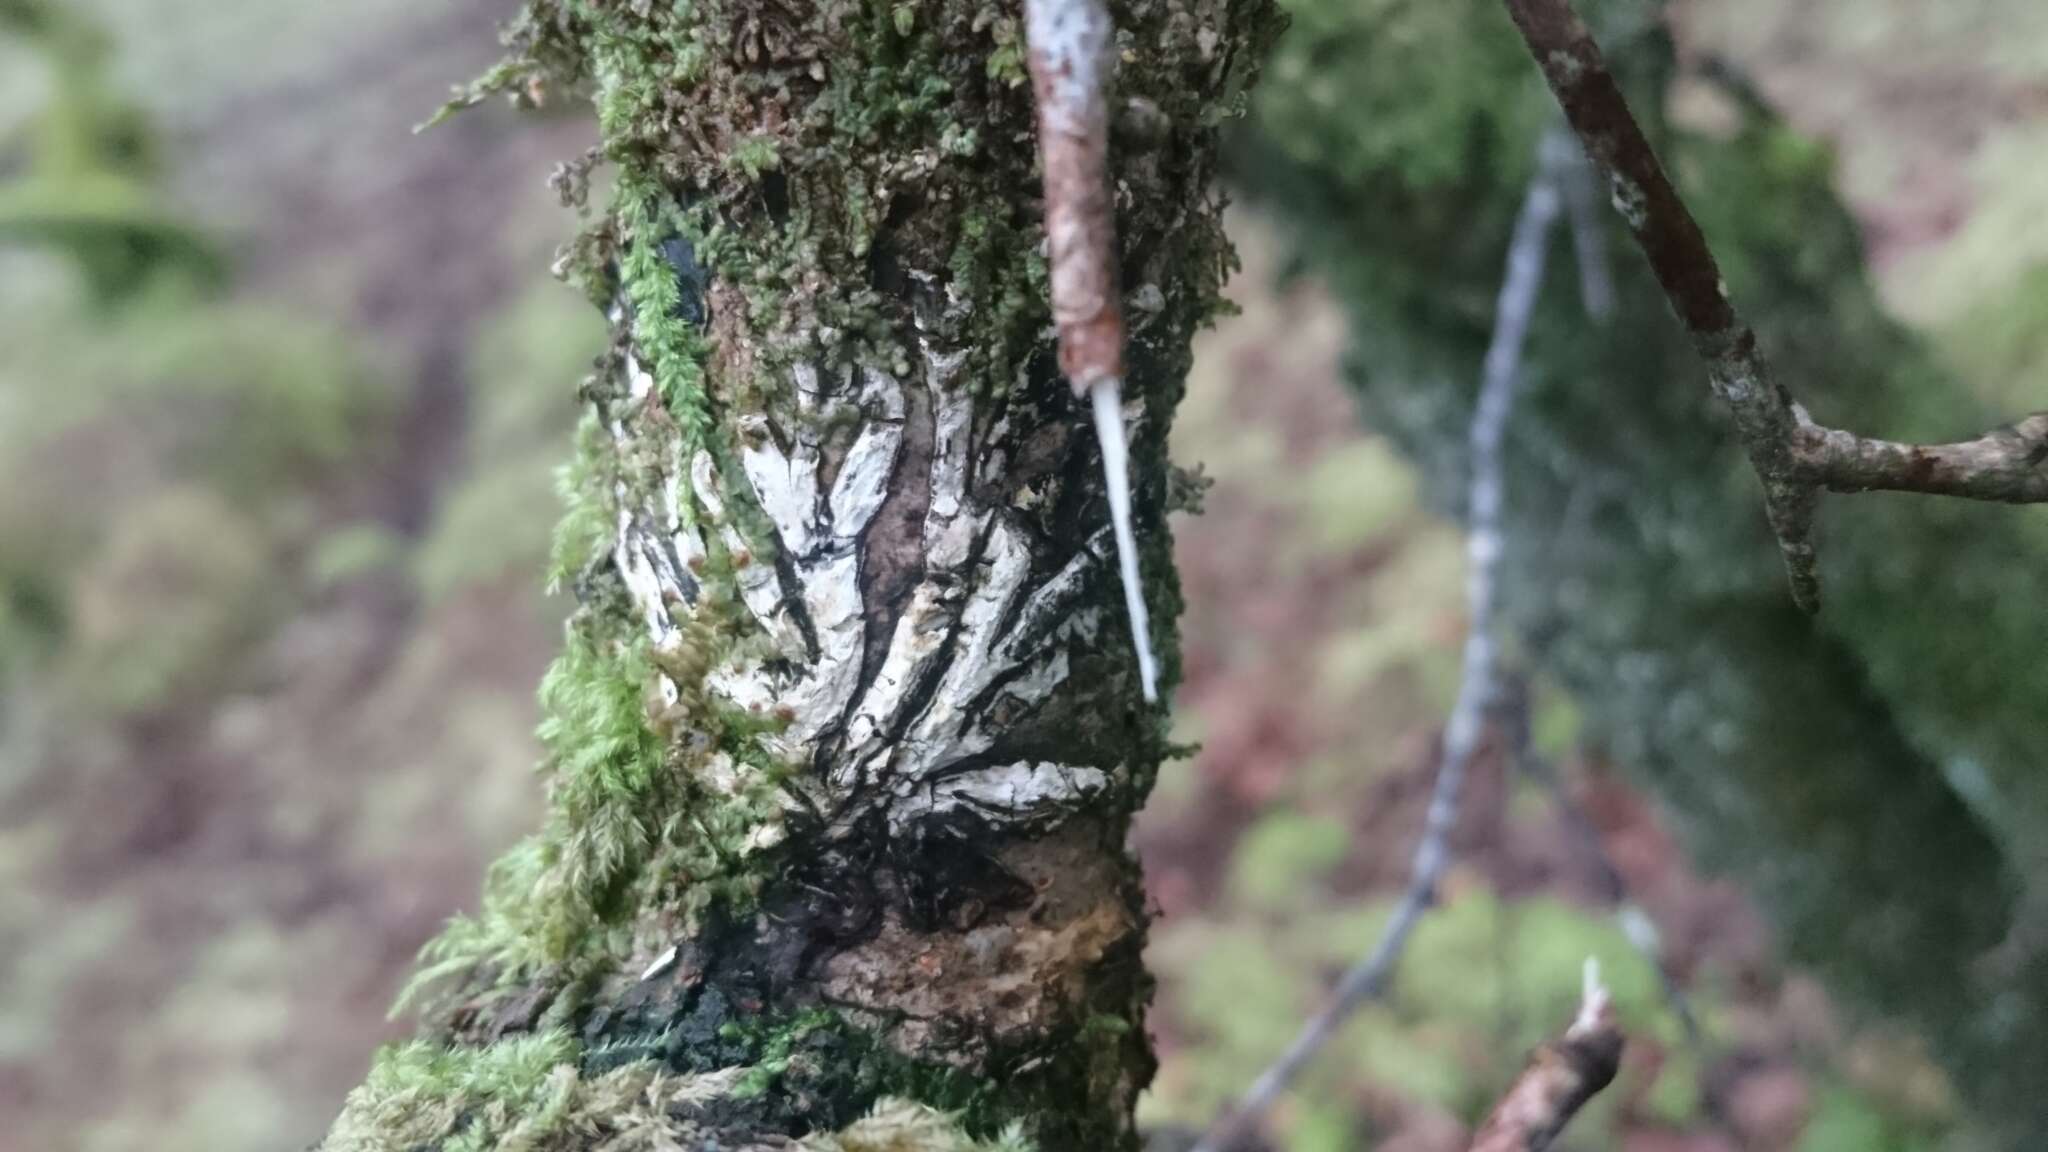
(1872, 775)
(847, 735)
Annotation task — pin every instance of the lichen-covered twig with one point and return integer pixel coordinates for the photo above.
(1071, 59)
(1794, 457)
(1367, 979)
(2007, 464)
(1559, 1078)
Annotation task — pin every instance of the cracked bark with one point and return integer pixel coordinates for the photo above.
(875, 498)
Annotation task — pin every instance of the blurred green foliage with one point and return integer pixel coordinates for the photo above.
(1871, 774)
(1281, 857)
(86, 186)
(487, 527)
(1482, 981)
(219, 728)
(162, 467)
(162, 447)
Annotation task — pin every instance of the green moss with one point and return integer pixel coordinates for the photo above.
(551, 901)
(822, 1055)
(896, 1125)
(589, 517)
(538, 1092)
(629, 825)
(425, 1094)
(673, 347)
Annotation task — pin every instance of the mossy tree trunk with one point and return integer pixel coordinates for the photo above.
(1870, 774)
(848, 734)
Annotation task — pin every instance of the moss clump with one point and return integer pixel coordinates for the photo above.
(589, 516)
(817, 1068)
(630, 824)
(672, 345)
(548, 902)
(540, 1092)
(896, 1125)
(510, 1094)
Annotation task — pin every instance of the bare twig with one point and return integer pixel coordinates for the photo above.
(2008, 464)
(1635, 922)
(1589, 238)
(1794, 457)
(1559, 1078)
(1367, 979)
(1071, 62)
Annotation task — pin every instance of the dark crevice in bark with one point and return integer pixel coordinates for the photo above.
(908, 849)
(892, 548)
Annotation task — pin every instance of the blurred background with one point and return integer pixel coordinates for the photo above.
(282, 389)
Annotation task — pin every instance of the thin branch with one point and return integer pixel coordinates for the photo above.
(1589, 238)
(1367, 979)
(1793, 457)
(1559, 1078)
(2008, 464)
(1635, 922)
(1071, 59)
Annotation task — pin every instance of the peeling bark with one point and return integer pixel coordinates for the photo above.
(882, 853)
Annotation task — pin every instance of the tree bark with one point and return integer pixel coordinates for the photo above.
(1870, 774)
(848, 734)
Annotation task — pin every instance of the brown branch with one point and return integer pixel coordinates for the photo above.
(1070, 55)
(1793, 457)
(2009, 464)
(1072, 59)
(1560, 1077)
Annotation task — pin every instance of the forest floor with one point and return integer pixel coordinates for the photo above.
(208, 899)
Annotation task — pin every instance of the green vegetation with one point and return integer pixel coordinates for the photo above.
(86, 185)
(183, 474)
(512, 1094)
(1866, 774)
(544, 1090)
(488, 528)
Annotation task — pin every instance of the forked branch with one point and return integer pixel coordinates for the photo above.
(1794, 457)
